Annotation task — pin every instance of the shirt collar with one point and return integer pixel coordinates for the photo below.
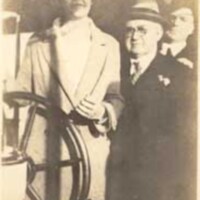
(145, 60)
(82, 24)
(175, 47)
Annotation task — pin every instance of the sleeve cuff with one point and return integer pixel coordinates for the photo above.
(109, 120)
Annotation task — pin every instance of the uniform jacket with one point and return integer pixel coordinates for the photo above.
(101, 76)
(153, 151)
(101, 79)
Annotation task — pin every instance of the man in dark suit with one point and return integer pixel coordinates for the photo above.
(153, 151)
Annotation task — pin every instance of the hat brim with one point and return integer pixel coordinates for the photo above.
(148, 15)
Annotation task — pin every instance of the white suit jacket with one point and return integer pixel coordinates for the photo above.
(101, 76)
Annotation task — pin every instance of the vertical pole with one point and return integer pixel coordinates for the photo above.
(17, 60)
(1, 103)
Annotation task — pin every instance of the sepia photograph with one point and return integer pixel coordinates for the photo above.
(99, 100)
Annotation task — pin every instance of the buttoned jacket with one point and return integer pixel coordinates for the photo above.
(153, 151)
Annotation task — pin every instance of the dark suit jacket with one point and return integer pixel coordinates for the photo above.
(190, 51)
(153, 151)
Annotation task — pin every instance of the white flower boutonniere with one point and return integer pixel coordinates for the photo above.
(165, 80)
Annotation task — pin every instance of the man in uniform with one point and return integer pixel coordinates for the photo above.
(76, 58)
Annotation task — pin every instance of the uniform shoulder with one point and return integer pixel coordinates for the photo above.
(107, 37)
(111, 40)
(171, 65)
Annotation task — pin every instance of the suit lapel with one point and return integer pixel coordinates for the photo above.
(149, 73)
(93, 69)
(94, 66)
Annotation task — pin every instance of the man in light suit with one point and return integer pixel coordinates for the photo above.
(153, 151)
(87, 62)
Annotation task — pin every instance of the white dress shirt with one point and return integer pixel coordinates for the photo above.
(75, 45)
(143, 63)
(174, 47)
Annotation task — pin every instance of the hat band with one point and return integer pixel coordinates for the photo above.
(151, 16)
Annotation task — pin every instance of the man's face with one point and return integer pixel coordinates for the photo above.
(182, 25)
(78, 8)
(142, 36)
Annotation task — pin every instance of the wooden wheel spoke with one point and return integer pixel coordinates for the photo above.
(63, 163)
(28, 128)
(31, 192)
(61, 128)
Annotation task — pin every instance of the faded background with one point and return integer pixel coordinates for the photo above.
(37, 15)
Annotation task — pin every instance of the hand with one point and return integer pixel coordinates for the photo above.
(89, 109)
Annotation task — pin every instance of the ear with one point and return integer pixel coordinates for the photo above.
(160, 32)
(191, 29)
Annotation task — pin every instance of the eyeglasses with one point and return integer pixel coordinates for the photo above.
(141, 30)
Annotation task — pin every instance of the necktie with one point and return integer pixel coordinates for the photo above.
(136, 72)
(169, 53)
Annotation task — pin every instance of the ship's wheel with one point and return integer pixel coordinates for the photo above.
(58, 162)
